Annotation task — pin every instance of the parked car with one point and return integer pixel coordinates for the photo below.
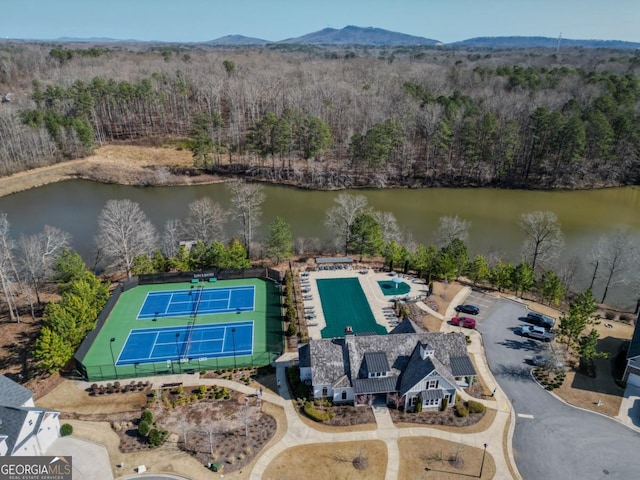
(540, 320)
(465, 322)
(547, 361)
(470, 309)
(539, 333)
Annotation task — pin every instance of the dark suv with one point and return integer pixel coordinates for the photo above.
(470, 309)
(540, 320)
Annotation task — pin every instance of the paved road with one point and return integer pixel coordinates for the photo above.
(552, 440)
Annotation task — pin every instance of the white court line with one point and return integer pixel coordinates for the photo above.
(525, 415)
(155, 342)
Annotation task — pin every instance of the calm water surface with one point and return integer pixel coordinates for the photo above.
(494, 214)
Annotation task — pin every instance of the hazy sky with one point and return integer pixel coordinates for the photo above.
(203, 20)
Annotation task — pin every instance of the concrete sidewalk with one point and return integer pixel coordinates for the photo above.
(299, 433)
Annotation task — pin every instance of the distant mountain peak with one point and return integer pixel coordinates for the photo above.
(353, 35)
(230, 40)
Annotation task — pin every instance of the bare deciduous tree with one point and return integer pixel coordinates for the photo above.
(544, 239)
(124, 232)
(451, 228)
(39, 253)
(171, 237)
(205, 221)
(246, 201)
(8, 272)
(391, 231)
(615, 253)
(340, 218)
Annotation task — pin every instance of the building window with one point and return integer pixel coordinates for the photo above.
(30, 422)
(344, 395)
(433, 384)
(325, 391)
(414, 400)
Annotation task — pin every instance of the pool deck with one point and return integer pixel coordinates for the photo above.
(369, 283)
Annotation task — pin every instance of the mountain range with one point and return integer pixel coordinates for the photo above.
(371, 36)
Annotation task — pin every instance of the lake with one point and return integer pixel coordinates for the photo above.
(74, 206)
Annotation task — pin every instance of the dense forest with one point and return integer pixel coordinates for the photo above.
(328, 117)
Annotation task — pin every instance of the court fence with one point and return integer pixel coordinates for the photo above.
(106, 372)
(208, 275)
(97, 373)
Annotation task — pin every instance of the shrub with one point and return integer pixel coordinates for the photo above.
(625, 317)
(156, 437)
(609, 315)
(419, 406)
(475, 407)
(315, 414)
(144, 427)
(180, 390)
(444, 404)
(292, 330)
(203, 389)
(461, 410)
(147, 416)
(66, 429)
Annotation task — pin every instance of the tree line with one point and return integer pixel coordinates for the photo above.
(337, 118)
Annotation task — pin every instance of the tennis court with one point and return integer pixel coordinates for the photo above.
(345, 304)
(185, 335)
(196, 301)
(201, 342)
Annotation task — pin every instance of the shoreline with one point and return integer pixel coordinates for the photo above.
(148, 166)
(115, 164)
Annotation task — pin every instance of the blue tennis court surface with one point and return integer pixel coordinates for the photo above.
(150, 345)
(197, 301)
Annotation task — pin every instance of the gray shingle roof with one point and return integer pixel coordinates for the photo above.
(416, 370)
(405, 326)
(12, 422)
(333, 358)
(374, 385)
(376, 362)
(462, 366)
(327, 361)
(13, 394)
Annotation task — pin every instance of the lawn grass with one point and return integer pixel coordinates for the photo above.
(329, 460)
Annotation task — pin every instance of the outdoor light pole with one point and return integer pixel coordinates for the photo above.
(233, 340)
(113, 360)
(484, 452)
(178, 351)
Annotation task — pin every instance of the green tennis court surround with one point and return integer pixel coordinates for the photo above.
(174, 336)
(345, 304)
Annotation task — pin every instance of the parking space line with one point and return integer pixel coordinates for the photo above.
(525, 415)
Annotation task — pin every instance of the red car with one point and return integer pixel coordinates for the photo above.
(465, 322)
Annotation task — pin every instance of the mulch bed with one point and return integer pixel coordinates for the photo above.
(349, 415)
(237, 428)
(427, 417)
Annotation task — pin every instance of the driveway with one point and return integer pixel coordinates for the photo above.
(552, 440)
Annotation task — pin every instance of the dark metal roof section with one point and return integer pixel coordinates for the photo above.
(462, 366)
(432, 394)
(331, 260)
(374, 385)
(376, 362)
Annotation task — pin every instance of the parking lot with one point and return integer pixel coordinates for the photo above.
(552, 440)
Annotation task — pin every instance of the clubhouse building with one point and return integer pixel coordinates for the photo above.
(400, 368)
